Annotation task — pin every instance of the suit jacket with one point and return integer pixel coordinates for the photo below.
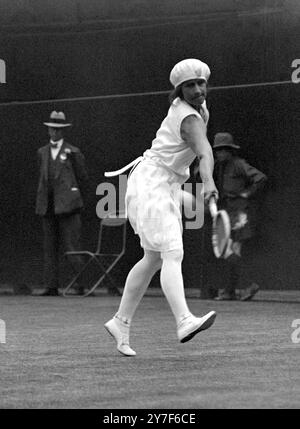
(232, 178)
(69, 182)
(236, 176)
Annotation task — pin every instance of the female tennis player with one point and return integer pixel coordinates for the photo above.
(153, 203)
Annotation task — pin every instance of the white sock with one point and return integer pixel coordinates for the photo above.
(173, 288)
(122, 320)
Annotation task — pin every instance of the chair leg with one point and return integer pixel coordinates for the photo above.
(69, 286)
(105, 274)
(104, 270)
(94, 287)
(74, 280)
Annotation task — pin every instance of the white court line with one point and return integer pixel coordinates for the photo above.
(139, 94)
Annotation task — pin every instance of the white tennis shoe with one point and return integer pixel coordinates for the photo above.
(120, 331)
(191, 325)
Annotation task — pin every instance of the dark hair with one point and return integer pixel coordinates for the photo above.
(177, 92)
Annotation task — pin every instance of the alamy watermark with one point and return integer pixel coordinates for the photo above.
(182, 197)
(2, 332)
(2, 71)
(296, 73)
(296, 333)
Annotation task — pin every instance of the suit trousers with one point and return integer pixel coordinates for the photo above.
(60, 231)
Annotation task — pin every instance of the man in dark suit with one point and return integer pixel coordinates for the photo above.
(62, 182)
(239, 185)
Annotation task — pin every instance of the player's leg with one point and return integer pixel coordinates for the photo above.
(172, 285)
(136, 285)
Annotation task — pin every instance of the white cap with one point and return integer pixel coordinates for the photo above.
(187, 70)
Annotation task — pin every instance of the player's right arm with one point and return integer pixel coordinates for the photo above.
(193, 132)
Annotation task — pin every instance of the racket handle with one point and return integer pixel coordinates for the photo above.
(213, 207)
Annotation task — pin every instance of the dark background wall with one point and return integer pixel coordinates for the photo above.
(76, 49)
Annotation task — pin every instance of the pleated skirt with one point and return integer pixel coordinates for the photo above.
(153, 206)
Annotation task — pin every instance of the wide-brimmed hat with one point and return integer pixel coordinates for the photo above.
(223, 140)
(188, 69)
(57, 120)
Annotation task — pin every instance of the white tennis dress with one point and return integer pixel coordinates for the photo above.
(153, 193)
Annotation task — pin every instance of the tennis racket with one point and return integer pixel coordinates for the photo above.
(220, 229)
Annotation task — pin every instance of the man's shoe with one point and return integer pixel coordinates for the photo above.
(225, 296)
(120, 332)
(50, 292)
(250, 292)
(191, 325)
(22, 289)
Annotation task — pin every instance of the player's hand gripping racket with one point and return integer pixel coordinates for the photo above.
(220, 228)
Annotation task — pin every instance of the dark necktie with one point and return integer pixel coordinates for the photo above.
(54, 145)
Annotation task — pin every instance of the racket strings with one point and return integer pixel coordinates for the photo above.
(221, 234)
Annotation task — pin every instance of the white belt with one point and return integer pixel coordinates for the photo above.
(122, 170)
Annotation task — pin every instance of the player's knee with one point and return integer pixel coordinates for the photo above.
(153, 260)
(156, 264)
(173, 255)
